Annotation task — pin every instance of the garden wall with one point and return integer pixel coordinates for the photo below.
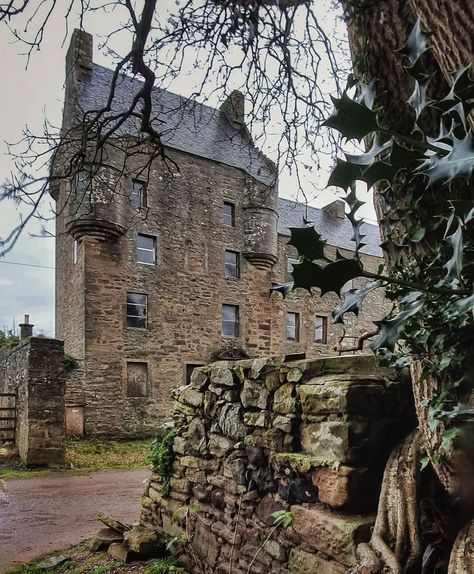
(257, 436)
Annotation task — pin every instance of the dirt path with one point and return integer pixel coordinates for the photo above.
(41, 514)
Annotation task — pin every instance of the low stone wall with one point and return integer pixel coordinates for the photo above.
(34, 370)
(254, 437)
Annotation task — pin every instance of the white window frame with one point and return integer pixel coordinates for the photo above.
(235, 322)
(144, 305)
(323, 327)
(235, 266)
(147, 250)
(295, 327)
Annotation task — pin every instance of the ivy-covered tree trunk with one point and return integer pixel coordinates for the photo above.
(377, 29)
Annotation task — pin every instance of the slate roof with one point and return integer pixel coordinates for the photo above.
(184, 124)
(336, 231)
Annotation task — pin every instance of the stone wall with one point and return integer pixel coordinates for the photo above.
(258, 436)
(35, 372)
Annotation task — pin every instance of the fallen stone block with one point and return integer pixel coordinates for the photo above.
(104, 538)
(52, 562)
(141, 540)
(119, 551)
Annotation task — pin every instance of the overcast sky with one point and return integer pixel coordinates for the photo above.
(27, 97)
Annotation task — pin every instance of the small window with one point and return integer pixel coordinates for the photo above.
(138, 194)
(137, 310)
(82, 180)
(291, 263)
(229, 214)
(137, 379)
(231, 264)
(189, 371)
(292, 326)
(320, 329)
(74, 252)
(145, 249)
(230, 321)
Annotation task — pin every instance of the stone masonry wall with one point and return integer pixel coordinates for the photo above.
(258, 436)
(35, 372)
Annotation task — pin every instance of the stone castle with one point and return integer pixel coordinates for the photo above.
(173, 270)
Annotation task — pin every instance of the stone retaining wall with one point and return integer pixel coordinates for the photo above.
(34, 370)
(254, 437)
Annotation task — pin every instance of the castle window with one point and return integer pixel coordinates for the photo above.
(145, 249)
(230, 321)
(292, 326)
(228, 214)
(74, 252)
(137, 379)
(137, 310)
(231, 264)
(320, 329)
(138, 194)
(189, 371)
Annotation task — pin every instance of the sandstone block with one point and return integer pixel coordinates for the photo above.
(254, 394)
(119, 551)
(198, 379)
(283, 423)
(284, 402)
(328, 440)
(272, 380)
(141, 540)
(220, 445)
(301, 562)
(266, 507)
(205, 543)
(276, 550)
(196, 434)
(356, 488)
(334, 534)
(104, 538)
(294, 375)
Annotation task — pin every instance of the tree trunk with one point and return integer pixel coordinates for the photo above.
(377, 28)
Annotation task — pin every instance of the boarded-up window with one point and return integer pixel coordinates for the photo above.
(137, 379)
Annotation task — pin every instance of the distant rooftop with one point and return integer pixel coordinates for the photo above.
(184, 124)
(336, 231)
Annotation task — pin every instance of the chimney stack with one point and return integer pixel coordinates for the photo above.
(335, 209)
(26, 329)
(234, 108)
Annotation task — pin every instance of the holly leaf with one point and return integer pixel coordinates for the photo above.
(416, 44)
(401, 157)
(283, 288)
(454, 265)
(462, 90)
(366, 94)
(378, 171)
(344, 174)
(465, 305)
(352, 119)
(418, 99)
(353, 300)
(458, 162)
(327, 278)
(391, 330)
(369, 156)
(308, 242)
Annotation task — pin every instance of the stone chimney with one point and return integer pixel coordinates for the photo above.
(26, 329)
(335, 209)
(234, 107)
(79, 54)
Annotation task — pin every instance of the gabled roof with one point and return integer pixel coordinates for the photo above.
(336, 231)
(184, 124)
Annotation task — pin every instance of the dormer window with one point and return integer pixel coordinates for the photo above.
(138, 194)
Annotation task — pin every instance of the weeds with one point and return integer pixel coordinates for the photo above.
(164, 566)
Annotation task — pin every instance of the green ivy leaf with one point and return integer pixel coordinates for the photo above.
(447, 438)
(391, 330)
(418, 235)
(331, 277)
(353, 120)
(458, 162)
(416, 43)
(308, 242)
(353, 300)
(282, 518)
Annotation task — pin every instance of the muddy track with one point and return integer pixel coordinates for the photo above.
(42, 514)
